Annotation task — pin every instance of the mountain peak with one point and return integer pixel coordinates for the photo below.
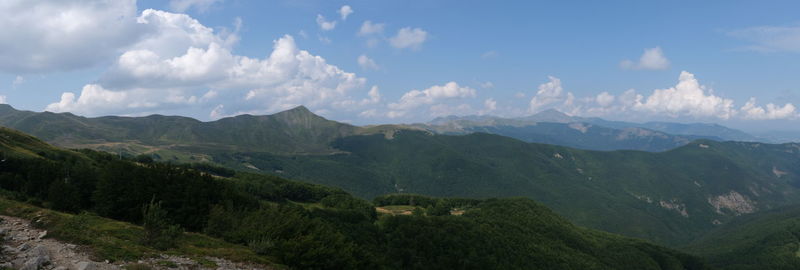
(299, 112)
(552, 112)
(551, 115)
(299, 109)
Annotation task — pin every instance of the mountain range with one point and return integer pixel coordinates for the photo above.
(669, 197)
(554, 127)
(282, 223)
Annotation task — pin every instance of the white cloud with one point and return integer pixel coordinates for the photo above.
(770, 38)
(371, 113)
(171, 34)
(41, 36)
(17, 81)
(604, 99)
(218, 112)
(409, 38)
(487, 85)
(367, 63)
(489, 105)
(369, 28)
(687, 98)
(345, 11)
(651, 59)
(325, 25)
(94, 99)
(433, 96)
(155, 74)
(751, 111)
(374, 96)
(3, 99)
(549, 93)
(200, 5)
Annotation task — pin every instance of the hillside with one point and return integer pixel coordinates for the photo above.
(300, 225)
(768, 240)
(669, 197)
(296, 131)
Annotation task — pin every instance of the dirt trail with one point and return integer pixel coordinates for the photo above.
(28, 248)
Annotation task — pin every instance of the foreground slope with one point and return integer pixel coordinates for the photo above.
(300, 225)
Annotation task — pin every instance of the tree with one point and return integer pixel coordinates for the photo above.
(158, 231)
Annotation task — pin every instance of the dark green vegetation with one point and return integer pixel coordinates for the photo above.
(301, 225)
(670, 197)
(767, 240)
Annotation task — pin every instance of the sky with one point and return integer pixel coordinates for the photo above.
(736, 63)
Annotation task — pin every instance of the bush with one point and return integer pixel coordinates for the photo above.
(158, 231)
(262, 246)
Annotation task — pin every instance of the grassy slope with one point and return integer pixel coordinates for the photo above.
(119, 241)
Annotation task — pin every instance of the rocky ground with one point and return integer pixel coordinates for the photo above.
(28, 248)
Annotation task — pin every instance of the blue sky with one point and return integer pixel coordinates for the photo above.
(731, 62)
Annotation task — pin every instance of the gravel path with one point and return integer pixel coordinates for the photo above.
(28, 248)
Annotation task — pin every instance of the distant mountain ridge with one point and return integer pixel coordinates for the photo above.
(294, 131)
(554, 127)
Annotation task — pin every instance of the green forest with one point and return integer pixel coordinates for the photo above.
(306, 226)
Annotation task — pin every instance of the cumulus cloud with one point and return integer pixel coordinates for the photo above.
(753, 112)
(373, 96)
(408, 38)
(199, 5)
(154, 73)
(83, 34)
(3, 99)
(369, 28)
(651, 59)
(434, 96)
(94, 99)
(687, 98)
(345, 11)
(367, 63)
(325, 25)
(770, 38)
(604, 99)
(548, 93)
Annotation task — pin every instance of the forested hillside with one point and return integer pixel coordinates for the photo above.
(670, 197)
(302, 225)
